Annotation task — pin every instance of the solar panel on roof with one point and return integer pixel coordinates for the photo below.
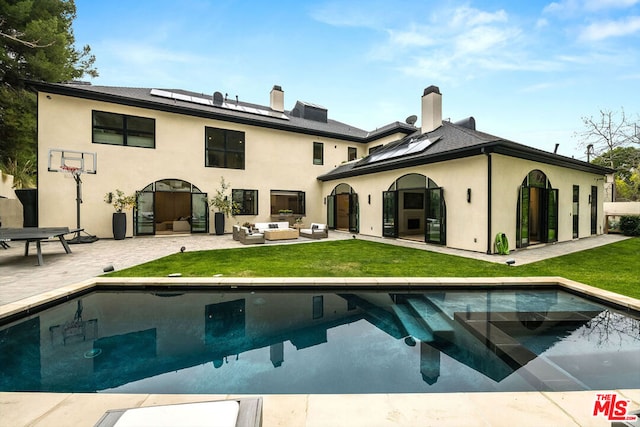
(226, 105)
(403, 149)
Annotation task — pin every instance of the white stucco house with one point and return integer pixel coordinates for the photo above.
(443, 182)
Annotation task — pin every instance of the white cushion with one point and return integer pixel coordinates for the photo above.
(222, 414)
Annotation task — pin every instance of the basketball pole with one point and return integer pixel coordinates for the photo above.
(78, 237)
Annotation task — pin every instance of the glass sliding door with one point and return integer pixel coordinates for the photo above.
(143, 215)
(331, 212)
(435, 217)
(353, 213)
(576, 211)
(199, 213)
(389, 213)
(552, 215)
(523, 229)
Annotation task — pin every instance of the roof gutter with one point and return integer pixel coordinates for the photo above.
(57, 89)
(506, 148)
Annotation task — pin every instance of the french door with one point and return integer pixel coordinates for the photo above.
(435, 217)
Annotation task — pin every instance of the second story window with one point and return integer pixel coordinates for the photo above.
(318, 153)
(121, 129)
(224, 148)
(352, 153)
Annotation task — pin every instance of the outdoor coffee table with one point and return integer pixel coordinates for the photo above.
(37, 235)
(281, 234)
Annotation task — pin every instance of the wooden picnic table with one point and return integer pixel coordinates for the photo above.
(37, 235)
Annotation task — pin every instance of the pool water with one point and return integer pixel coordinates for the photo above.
(391, 341)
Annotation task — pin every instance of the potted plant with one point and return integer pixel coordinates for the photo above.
(23, 173)
(223, 205)
(119, 202)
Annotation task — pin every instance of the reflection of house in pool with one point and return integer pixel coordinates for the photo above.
(137, 335)
(490, 342)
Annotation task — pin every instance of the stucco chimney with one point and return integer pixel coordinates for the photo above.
(277, 99)
(431, 109)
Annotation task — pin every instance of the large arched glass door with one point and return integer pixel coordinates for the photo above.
(171, 206)
(414, 208)
(343, 209)
(537, 211)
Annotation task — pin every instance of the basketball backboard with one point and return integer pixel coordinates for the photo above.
(61, 160)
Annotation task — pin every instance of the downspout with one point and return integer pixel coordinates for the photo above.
(489, 231)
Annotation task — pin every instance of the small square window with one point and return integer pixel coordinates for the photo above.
(352, 153)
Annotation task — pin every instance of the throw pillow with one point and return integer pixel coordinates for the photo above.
(273, 225)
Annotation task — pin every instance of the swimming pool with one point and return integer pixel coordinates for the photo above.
(340, 341)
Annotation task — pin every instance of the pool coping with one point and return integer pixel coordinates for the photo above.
(28, 305)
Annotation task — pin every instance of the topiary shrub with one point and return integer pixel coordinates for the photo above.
(630, 225)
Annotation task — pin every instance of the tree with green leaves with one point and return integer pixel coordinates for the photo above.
(37, 44)
(611, 138)
(626, 162)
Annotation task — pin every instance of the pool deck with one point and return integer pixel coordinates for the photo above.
(24, 284)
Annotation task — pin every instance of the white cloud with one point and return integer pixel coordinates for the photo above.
(594, 5)
(411, 38)
(568, 7)
(542, 23)
(467, 16)
(607, 29)
(357, 13)
(483, 39)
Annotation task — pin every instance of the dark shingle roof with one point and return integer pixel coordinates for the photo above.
(143, 97)
(447, 142)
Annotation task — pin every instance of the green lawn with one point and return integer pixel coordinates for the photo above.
(615, 267)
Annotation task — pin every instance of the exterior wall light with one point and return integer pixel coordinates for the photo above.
(369, 198)
(468, 195)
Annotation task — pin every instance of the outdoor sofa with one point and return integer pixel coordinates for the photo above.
(277, 230)
(247, 237)
(317, 231)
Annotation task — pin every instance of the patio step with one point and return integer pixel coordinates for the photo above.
(414, 327)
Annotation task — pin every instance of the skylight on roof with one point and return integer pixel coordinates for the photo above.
(226, 105)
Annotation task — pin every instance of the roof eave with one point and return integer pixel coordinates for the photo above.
(57, 89)
(507, 148)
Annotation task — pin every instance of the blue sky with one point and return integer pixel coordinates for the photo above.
(526, 70)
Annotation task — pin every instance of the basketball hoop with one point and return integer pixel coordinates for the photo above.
(72, 165)
(70, 171)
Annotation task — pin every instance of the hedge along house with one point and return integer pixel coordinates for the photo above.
(453, 185)
(444, 183)
(171, 148)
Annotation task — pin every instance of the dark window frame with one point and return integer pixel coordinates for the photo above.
(352, 153)
(245, 198)
(124, 130)
(226, 152)
(318, 160)
(300, 201)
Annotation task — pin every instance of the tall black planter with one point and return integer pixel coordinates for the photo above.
(29, 199)
(119, 223)
(218, 219)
